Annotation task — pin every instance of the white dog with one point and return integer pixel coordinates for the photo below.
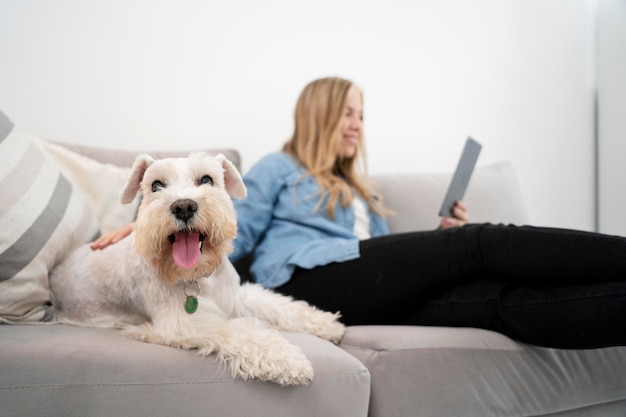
(170, 282)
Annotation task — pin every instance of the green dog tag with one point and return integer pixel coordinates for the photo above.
(191, 304)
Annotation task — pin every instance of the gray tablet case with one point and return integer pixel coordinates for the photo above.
(461, 177)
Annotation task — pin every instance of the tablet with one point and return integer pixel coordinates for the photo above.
(461, 176)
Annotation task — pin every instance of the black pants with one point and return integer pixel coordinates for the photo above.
(545, 286)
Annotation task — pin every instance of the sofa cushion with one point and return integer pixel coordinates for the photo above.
(42, 217)
(445, 371)
(61, 370)
(493, 196)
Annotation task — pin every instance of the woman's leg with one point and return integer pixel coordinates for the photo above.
(394, 274)
(542, 256)
(572, 317)
(399, 274)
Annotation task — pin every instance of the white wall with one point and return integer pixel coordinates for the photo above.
(611, 71)
(518, 75)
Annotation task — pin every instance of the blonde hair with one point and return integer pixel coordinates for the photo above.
(316, 142)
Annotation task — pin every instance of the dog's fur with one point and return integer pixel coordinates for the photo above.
(137, 285)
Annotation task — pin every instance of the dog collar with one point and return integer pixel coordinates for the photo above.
(191, 289)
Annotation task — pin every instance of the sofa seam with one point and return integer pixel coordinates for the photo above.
(482, 349)
(126, 384)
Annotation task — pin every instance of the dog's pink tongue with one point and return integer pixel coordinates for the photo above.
(185, 250)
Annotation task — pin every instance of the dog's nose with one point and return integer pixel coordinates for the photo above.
(184, 209)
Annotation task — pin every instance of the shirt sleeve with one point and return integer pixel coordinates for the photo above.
(264, 182)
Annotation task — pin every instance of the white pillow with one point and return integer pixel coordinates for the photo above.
(42, 218)
(101, 183)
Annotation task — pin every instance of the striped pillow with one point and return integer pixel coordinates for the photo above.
(42, 218)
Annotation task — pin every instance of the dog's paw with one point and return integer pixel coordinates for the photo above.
(280, 362)
(293, 369)
(333, 330)
(264, 354)
(325, 325)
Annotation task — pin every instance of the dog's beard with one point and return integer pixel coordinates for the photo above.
(158, 238)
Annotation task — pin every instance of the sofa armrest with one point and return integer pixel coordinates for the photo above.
(493, 196)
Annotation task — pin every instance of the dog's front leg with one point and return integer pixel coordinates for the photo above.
(249, 348)
(285, 313)
(252, 350)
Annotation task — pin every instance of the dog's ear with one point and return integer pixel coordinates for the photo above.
(142, 162)
(232, 178)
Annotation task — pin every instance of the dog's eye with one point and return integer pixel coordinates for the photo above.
(206, 180)
(157, 185)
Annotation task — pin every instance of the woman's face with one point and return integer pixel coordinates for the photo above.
(352, 124)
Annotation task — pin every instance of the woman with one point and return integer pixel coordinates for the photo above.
(316, 231)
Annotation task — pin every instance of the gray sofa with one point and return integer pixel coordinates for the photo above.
(51, 369)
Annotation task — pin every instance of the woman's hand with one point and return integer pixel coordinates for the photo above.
(461, 216)
(112, 237)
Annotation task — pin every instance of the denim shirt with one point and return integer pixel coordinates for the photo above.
(280, 223)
